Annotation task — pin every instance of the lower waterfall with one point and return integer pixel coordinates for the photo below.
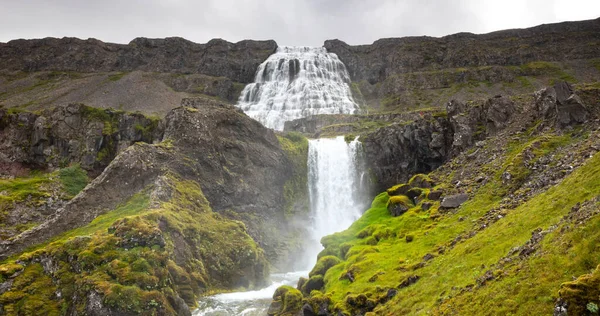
(337, 188)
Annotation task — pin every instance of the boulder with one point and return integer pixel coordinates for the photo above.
(454, 201)
(560, 105)
(435, 195)
(499, 110)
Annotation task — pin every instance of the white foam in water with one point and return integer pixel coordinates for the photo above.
(297, 82)
(250, 303)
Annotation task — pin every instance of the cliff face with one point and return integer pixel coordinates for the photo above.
(217, 58)
(392, 56)
(421, 72)
(70, 134)
(398, 151)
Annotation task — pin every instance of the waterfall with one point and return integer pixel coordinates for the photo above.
(336, 188)
(297, 82)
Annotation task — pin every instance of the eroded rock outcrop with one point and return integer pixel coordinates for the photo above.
(202, 210)
(71, 134)
(561, 105)
(398, 151)
(238, 163)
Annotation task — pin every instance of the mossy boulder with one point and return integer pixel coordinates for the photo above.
(399, 204)
(287, 301)
(421, 181)
(314, 283)
(580, 293)
(324, 264)
(399, 189)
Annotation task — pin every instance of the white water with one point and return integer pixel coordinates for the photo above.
(251, 303)
(336, 187)
(337, 192)
(297, 82)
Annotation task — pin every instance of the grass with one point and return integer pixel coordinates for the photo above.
(19, 189)
(74, 179)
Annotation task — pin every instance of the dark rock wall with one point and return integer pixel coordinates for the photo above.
(218, 58)
(393, 56)
(71, 134)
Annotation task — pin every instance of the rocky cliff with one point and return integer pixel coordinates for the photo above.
(217, 58)
(70, 134)
(398, 151)
(393, 56)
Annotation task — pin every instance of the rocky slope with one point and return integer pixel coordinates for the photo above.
(504, 225)
(200, 211)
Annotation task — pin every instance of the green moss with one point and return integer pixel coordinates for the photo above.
(19, 189)
(582, 292)
(31, 294)
(400, 199)
(324, 264)
(393, 248)
(128, 256)
(116, 77)
(288, 299)
(74, 179)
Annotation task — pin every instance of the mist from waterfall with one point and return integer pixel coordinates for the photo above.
(297, 82)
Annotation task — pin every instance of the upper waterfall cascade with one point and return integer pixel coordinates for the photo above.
(297, 82)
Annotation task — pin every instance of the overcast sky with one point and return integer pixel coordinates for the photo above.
(289, 22)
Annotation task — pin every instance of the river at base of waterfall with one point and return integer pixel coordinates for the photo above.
(250, 303)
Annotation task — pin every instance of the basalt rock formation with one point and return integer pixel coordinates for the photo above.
(389, 57)
(420, 72)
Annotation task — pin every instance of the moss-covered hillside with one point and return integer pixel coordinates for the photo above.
(154, 254)
(509, 226)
